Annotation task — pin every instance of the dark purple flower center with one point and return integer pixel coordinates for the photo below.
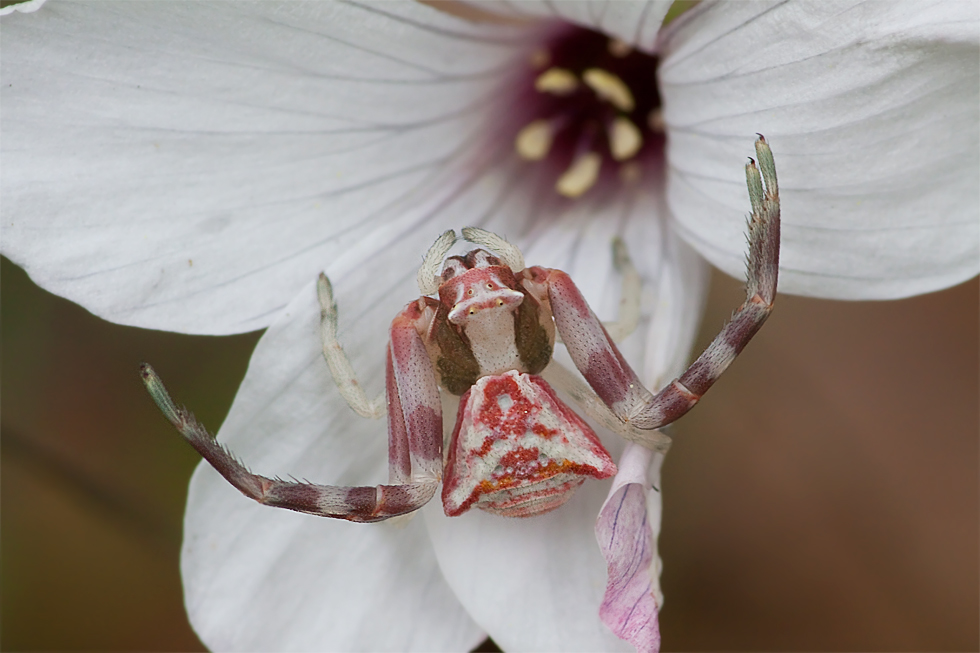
(589, 110)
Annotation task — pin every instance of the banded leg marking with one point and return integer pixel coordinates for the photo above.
(762, 277)
(360, 504)
(593, 351)
(630, 294)
(562, 378)
(414, 404)
(610, 376)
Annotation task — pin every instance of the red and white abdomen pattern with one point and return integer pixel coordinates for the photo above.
(518, 450)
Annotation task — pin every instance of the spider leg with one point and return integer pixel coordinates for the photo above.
(337, 361)
(360, 504)
(593, 350)
(762, 272)
(414, 439)
(562, 378)
(629, 301)
(414, 403)
(609, 375)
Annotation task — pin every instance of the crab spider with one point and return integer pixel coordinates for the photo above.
(516, 449)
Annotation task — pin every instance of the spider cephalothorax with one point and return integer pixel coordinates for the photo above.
(516, 449)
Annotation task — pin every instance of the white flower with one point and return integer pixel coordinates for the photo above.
(193, 167)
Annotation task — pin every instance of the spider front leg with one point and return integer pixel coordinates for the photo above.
(629, 299)
(415, 442)
(616, 384)
(340, 367)
(762, 276)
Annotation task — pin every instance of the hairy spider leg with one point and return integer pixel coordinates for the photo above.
(626, 322)
(414, 403)
(415, 443)
(561, 378)
(509, 254)
(762, 269)
(333, 352)
(591, 347)
(340, 367)
(629, 299)
(604, 368)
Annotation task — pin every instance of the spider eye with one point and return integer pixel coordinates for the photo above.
(470, 292)
(489, 286)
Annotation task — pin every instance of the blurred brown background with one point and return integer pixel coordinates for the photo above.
(824, 497)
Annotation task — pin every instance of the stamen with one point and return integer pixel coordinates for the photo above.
(580, 176)
(533, 142)
(609, 87)
(618, 48)
(624, 139)
(589, 106)
(556, 81)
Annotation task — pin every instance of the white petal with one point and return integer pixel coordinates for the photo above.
(631, 21)
(190, 167)
(260, 578)
(872, 111)
(23, 7)
(534, 584)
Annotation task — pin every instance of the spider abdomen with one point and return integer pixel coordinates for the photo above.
(517, 450)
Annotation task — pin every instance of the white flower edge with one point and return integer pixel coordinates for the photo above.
(190, 167)
(878, 204)
(873, 114)
(22, 7)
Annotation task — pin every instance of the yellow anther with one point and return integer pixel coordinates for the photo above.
(609, 87)
(533, 142)
(624, 139)
(580, 176)
(556, 81)
(619, 48)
